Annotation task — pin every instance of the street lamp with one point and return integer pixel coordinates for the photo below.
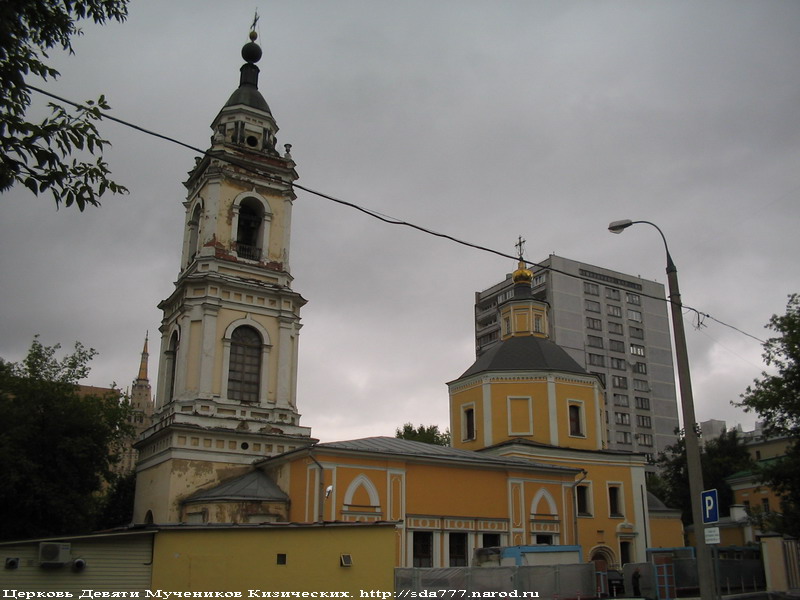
(705, 569)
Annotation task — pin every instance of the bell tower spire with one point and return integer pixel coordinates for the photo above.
(226, 392)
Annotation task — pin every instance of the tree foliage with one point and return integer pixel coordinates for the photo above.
(429, 434)
(719, 458)
(57, 447)
(775, 398)
(63, 153)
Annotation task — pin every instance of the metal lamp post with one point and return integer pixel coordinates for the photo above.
(705, 567)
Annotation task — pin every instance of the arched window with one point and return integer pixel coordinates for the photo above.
(249, 229)
(244, 370)
(194, 233)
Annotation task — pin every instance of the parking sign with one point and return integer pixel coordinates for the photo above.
(710, 504)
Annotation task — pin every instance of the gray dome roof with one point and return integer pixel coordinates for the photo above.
(525, 353)
(248, 97)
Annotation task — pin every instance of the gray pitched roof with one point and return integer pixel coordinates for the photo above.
(254, 486)
(421, 450)
(525, 353)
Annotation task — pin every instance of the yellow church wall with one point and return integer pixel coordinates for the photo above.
(504, 394)
(472, 397)
(238, 560)
(432, 490)
(580, 394)
(666, 532)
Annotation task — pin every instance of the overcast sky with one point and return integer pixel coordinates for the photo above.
(485, 120)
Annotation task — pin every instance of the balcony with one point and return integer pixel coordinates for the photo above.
(247, 251)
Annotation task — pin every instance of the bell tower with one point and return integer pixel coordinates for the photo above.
(227, 380)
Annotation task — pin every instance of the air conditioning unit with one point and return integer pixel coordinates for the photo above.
(53, 554)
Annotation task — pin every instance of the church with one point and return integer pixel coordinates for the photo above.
(528, 463)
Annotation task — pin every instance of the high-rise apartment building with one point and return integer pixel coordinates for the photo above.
(617, 327)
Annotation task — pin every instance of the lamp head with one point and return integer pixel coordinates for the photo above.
(618, 226)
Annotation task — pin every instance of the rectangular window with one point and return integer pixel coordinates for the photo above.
(592, 306)
(615, 328)
(591, 288)
(642, 402)
(423, 548)
(595, 324)
(633, 298)
(622, 418)
(469, 424)
(600, 376)
(636, 332)
(624, 437)
(615, 501)
(644, 421)
(637, 349)
(575, 420)
(614, 311)
(634, 315)
(640, 367)
(646, 439)
(612, 294)
(458, 549)
(582, 497)
(616, 345)
(618, 363)
(620, 400)
(597, 360)
(594, 341)
(640, 385)
(619, 382)
(491, 540)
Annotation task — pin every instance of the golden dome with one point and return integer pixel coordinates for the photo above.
(522, 274)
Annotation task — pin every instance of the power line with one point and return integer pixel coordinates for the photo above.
(381, 217)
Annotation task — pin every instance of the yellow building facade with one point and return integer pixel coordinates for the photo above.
(526, 398)
(445, 502)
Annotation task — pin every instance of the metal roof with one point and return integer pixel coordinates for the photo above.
(254, 486)
(423, 451)
(525, 353)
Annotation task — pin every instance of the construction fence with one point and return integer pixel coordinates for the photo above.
(566, 582)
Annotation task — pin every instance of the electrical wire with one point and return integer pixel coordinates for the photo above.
(381, 217)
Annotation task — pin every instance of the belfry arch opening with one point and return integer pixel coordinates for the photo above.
(250, 229)
(194, 232)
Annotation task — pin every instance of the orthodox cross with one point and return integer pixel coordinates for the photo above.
(520, 246)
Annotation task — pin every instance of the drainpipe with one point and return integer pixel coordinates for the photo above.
(584, 474)
(320, 490)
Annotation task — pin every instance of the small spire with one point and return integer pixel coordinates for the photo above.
(145, 355)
